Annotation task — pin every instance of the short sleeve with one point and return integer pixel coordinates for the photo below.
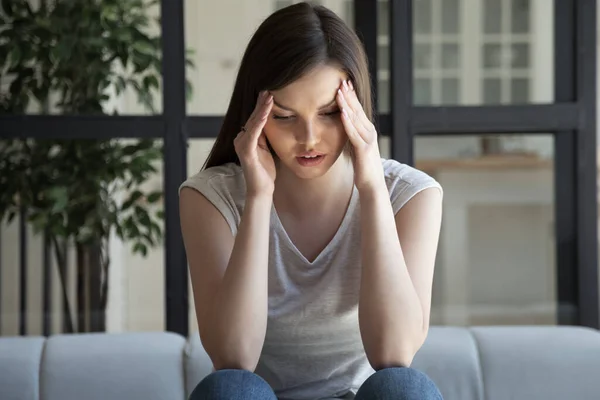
(404, 182)
(224, 187)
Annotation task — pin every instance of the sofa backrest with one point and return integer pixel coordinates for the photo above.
(93, 366)
(517, 362)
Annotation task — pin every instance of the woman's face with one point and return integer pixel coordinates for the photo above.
(305, 128)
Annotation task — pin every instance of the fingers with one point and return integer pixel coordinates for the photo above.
(348, 101)
(248, 139)
(257, 107)
(257, 120)
(263, 113)
(347, 120)
(350, 96)
(353, 120)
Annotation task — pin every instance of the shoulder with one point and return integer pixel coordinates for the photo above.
(404, 182)
(227, 177)
(225, 187)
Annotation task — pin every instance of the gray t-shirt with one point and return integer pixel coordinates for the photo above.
(313, 348)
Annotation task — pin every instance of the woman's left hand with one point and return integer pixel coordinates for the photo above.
(368, 171)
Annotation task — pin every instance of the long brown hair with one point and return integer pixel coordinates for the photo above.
(287, 45)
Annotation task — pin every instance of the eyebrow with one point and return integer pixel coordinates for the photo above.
(332, 102)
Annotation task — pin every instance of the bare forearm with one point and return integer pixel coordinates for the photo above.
(390, 312)
(239, 314)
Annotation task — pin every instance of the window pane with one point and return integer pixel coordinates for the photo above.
(492, 11)
(494, 41)
(504, 275)
(131, 84)
(422, 92)
(519, 90)
(197, 153)
(135, 289)
(218, 38)
(492, 91)
(450, 16)
(348, 14)
(422, 56)
(422, 16)
(450, 56)
(492, 56)
(383, 17)
(279, 4)
(383, 57)
(383, 96)
(520, 56)
(450, 91)
(520, 15)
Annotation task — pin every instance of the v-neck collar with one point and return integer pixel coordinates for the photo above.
(336, 237)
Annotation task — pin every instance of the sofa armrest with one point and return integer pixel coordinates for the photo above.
(20, 359)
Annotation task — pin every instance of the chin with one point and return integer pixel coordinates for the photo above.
(312, 174)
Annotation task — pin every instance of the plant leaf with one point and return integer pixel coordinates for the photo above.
(154, 197)
(14, 57)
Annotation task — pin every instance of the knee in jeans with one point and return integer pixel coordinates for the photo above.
(401, 383)
(230, 383)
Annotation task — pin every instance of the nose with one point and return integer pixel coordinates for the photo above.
(307, 135)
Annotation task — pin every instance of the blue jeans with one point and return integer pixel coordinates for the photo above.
(386, 384)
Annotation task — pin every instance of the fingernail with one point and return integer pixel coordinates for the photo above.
(269, 99)
(345, 86)
(350, 84)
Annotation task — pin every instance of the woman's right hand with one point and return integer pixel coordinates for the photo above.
(252, 150)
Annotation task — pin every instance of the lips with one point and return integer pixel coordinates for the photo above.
(311, 154)
(310, 159)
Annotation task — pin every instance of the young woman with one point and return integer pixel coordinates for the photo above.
(311, 257)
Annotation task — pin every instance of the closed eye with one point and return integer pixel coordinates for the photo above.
(288, 117)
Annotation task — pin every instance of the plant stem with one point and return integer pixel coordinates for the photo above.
(81, 286)
(61, 264)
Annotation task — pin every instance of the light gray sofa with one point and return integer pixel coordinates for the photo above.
(491, 363)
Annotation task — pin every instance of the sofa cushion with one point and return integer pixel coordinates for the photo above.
(20, 367)
(123, 366)
(450, 358)
(544, 362)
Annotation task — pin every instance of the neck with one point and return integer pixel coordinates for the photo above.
(302, 196)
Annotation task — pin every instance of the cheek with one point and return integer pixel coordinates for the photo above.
(339, 133)
(275, 131)
(278, 139)
(272, 133)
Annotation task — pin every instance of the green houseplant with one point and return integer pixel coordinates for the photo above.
(67, 56)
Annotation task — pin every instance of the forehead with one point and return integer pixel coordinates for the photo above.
(317, 87)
